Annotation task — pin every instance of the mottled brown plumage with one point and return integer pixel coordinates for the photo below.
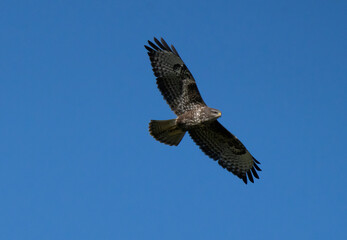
(179, 89)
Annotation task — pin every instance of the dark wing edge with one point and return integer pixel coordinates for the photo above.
(221, 145)
(174, 80)
(161, 46)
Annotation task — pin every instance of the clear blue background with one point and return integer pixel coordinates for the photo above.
(77, 93)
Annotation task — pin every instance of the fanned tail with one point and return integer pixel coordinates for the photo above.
(166, 131)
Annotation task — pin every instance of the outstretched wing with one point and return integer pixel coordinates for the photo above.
(218, 143)
(174, 80)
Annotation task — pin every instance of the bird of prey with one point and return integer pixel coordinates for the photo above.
(179, 89)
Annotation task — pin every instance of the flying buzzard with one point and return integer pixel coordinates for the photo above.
(179, 89)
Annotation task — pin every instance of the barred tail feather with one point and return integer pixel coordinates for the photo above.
(166, 131)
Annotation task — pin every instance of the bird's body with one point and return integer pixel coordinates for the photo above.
(190, 119)
(179, 89)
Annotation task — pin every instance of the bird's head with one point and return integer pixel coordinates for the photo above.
(214, 113)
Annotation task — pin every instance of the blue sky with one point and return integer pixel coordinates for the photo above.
(77, 93)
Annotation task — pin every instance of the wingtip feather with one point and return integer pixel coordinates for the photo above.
(148, 48)
(255, 160)
(159, 43)
(250, 177)
(153, 45)
(244, 178)
(174, 50)
(165, 45)
(255, 173)
(256, 166)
